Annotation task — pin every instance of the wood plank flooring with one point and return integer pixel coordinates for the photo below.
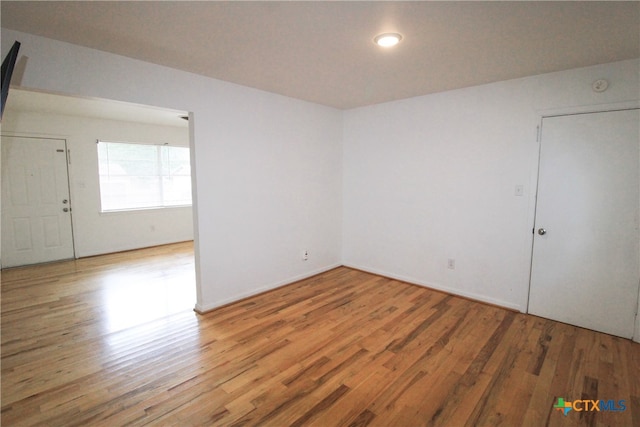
(112, 340)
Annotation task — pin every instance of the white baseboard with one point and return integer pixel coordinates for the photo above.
(449, 290)
(203, 308)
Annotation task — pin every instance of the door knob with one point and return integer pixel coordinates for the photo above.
(65, 209)
(65, 201)
(542, 231)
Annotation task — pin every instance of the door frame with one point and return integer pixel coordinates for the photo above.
(535, 175)
(69, 167)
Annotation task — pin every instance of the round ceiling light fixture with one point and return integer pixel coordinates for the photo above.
(387, 39)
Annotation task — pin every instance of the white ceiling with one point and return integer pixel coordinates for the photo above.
(323, 51)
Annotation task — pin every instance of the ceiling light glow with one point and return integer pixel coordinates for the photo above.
(388, 39)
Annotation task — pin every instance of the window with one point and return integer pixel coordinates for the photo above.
(140, 176)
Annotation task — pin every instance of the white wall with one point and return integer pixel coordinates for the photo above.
(432, 178)
(267, 167)
(95, 233)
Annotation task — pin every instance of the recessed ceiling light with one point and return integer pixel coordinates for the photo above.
(387, 39)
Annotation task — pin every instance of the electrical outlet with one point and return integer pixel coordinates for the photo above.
(451, 264)
(305, 255)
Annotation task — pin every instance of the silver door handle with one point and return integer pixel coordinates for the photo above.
(65, 209)
(542, 231)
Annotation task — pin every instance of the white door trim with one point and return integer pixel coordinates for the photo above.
(586, 109)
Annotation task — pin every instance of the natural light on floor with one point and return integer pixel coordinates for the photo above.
(132, 299)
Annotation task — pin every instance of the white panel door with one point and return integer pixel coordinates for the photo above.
(586, 259)
(36, 211)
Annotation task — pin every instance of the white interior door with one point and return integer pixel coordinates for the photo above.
(36, 211)
(586, 259)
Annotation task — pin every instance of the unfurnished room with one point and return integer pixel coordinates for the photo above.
(320, 213)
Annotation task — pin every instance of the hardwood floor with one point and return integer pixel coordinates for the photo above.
(113, 340)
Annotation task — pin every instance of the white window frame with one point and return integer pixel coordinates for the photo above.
(162, 203)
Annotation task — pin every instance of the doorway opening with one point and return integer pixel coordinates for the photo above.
(71, 126)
